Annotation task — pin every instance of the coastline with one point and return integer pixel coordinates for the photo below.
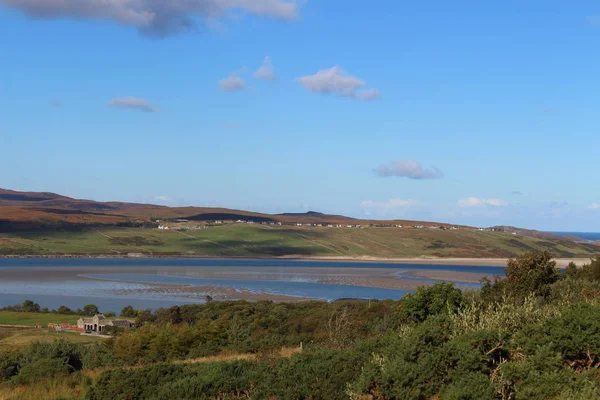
(458, 261)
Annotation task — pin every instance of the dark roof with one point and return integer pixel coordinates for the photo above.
(120, 322)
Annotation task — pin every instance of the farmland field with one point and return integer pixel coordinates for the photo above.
(31, 319)
(242, 240)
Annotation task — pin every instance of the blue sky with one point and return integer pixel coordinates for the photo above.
(472, 112)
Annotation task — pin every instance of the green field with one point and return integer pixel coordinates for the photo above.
(12, 339)
(241, 240)
(31, 319)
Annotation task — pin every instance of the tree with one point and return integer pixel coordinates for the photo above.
(90, 309)
(64, 310)
(591, 271)
(531, 273)
(128, 312)
(572, 270)
(30, 306)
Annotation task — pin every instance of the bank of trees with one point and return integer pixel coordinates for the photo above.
(533, 335)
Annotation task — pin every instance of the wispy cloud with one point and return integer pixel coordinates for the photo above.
(266, 70)
(132, 103)
(594, 19)
(336, 81)
(233, 83)
(386, 207)
(164, 199)
(595, 206)
(479, 202)
(153, 17)
(408, 169)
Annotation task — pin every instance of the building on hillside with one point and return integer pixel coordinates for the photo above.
(99, 322)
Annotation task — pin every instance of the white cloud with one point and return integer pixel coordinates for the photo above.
(336, 81)
(595, 206)
(390, 206)
(233, 83)
(164, 199)
(478, 202)
(266, 70)
(132, 103)
(408, 169)
(154, 17)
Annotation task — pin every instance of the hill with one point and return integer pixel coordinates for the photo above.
(19, 210)
(53, 225)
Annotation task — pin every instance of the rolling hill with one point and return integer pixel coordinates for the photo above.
(23, 208)
(47, 224)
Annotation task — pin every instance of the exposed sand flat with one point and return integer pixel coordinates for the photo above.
(222, 281)
(215, 292)
(469, 277)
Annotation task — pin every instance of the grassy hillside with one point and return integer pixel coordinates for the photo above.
(246, 240)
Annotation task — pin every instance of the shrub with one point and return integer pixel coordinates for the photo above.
(575, 336)
(531, 273)
(8, 367)
(472, 386)
(44, 368)
(440, 298)
(62, 350)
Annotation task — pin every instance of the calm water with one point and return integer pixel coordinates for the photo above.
(584, 235)
(49, 282)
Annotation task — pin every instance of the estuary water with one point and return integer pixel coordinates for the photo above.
(162, 282)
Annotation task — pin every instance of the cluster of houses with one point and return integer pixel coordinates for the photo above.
(298, 224)
(181, 227)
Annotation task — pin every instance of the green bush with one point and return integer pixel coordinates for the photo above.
(43, 368)
(531, 273)
(440, 298)
(471, 386)
(575, 336)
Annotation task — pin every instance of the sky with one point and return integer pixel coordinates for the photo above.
(470, 112)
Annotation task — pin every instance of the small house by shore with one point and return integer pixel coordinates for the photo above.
(99, 322)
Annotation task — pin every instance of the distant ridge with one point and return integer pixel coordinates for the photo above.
(35, 209)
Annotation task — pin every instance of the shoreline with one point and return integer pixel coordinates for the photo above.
(458, 261)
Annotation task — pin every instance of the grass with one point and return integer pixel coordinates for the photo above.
(241, 240)
(59, 388)
(31, 319)
(12, 339)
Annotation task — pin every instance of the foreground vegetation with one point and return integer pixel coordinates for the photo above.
(533, 335)
(243, 240)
